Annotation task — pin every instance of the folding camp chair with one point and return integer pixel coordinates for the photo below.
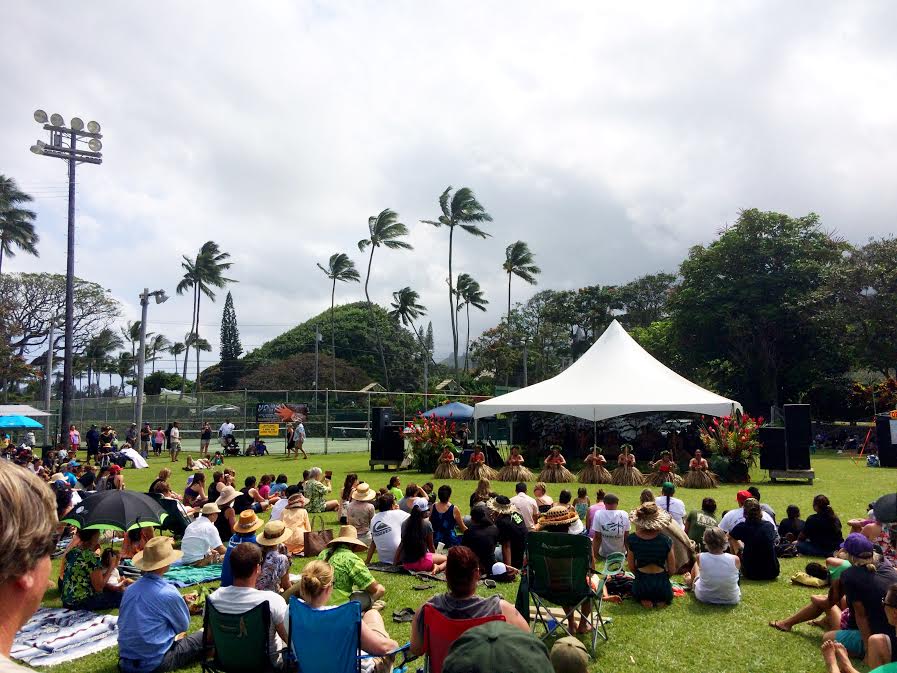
(559, 568)
(328, 641)
(238, 642)
(440, 633)
(175, 521)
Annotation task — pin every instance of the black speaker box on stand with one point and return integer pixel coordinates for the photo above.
(798, 435)
(772, 455)
(887, 450)
(387, 443)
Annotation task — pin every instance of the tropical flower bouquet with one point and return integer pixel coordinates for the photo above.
(428, 438)
(732, 444)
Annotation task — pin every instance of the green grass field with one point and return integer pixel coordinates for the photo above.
(688, 636)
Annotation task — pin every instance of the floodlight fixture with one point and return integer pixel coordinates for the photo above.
(40, 116)
(56, 119)
(77, 124)
(37, 149)
(161, 297)
(95, 145)
(93, 127)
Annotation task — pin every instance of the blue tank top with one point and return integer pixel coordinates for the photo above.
(444, 526)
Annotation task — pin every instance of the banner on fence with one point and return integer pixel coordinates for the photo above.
(269, 429)
(281, 412)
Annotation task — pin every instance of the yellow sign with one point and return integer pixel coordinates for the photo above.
(269, 429)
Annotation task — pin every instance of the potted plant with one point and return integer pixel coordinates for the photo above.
(732, 442)
(428, 438)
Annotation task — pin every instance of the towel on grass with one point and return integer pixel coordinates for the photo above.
(56, 635)
(187, 576)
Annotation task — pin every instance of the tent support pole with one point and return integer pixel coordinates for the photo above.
(475, 429)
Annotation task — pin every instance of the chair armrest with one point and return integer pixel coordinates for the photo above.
(404, 649)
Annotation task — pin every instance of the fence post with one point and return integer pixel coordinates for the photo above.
(368, 433)
(326, 418)
(245, 403)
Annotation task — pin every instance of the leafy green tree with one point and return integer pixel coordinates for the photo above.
(155, 382)
(740, 305)
(520, 262)
(460, 209)
(201, 274)
(231, 348)
(644, 300)
(16, 222)
(469, 294)
(383, 229)
(298, 371)
(339, 268)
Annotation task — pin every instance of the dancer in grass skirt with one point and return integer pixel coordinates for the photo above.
(699, 474)
(664, 471)
(514, 470)
(627, 474)
(555, 471)
(476, 468)
(447, 468)
(594, 471)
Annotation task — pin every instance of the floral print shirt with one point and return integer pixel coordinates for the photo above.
(76, 586)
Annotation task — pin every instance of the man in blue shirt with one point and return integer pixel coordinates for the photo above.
(244, 531)
(152, 613)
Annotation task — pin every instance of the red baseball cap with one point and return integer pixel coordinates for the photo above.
(741, 496)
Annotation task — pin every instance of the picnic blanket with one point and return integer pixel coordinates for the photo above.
(399, 570)
(56, 635)
(187, 576)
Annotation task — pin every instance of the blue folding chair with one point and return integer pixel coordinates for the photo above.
(328, 641)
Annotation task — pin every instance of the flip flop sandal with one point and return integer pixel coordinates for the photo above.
(423, 587)
(404, 615)
(489, 584)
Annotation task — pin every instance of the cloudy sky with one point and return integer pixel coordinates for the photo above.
(610, 138)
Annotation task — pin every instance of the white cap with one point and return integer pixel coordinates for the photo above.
(422, 504)
(499, 568)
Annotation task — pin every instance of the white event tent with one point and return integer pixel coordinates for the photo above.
(614, 377)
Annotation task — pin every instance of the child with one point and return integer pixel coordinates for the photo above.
(109, 559)
(582, 504)
(218, 459)
(279, 487)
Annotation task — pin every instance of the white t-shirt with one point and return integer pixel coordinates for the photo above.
(278, 508)
(226, 429)
(233, 600)
(613, 524)
(300, 433)
(175, 435)
(386, 533)
(735, 516)
(527, 507)
(675, 507)
(200, 537)
(576, 528)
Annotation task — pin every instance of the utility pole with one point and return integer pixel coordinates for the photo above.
(72, 155)
(48, 379)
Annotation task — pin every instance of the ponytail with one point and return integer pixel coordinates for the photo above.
(316, 577)
(668, 503)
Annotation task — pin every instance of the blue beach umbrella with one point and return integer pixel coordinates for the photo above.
(18, 422)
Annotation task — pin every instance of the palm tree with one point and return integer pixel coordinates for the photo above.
(176, 349)
(16, 223)
(405, 307)
(124, 365)
(520, 262)
(459, 210)
(158, 344)
(199, 344)
(469, 294)
(339, 268)
(131, 333)
(201, 275)
(385, 230)
(99, 348)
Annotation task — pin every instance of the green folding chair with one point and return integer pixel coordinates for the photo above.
(237, 643)
(558, 569)
(614, 564)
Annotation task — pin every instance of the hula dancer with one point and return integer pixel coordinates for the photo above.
(664, 471)
(476, 468)
(447, 468)
(627, 474)
(699, 474)
(595, 471)
(555, 471)
(514, 469)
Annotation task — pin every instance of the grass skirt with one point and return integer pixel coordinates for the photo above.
(447, 471)
(477, 471)
(659, 478)
(700, 479)
(595, 474)
(556, 474)
(627, 476)
(514, 473)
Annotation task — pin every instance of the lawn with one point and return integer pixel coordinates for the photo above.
(688, 636)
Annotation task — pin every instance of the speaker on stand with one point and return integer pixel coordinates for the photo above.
(887, 449)
(387, 443)
(798, 436)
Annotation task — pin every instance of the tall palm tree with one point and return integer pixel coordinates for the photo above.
(339, 268)
(99, 348)
(469, 294)
(520, 262)
(131, 333)
(16, 223)
(460, 209)
(199, 344)
(202, 274)
(124, 365)
(158, 344)
(385, 230)
(176, 349)
(405, 307)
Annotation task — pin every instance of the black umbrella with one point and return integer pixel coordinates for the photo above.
(116, 510)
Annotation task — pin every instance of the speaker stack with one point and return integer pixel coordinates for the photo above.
(786, 451)
(387, 443)
(887, 449)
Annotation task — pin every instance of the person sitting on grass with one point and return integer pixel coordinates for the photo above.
(109, 560)
(821, 535)
(462, 574)
(195, 494)
(84, 579)
(316, 490)
(275, 573)
(882, 649)
(755, 539)
(244, 531)
(565, 497)
(349, 571)
(416, 551)
(152, 614)
(650, 556)
(386, 529)
(699, 521)
(201, 544)
(714, 575)
(481, 537)
(394, 487)
(316, 586)
(792, 526)
(250, 498)
(609, 528)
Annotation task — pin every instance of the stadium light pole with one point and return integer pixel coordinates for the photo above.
(64, 145)
(160, 298)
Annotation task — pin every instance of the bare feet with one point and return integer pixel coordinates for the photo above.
(647, 604)
(842, 656)
(780, 626)
(828, 654)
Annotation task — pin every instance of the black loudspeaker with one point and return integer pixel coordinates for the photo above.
(887, 452)
(772, 455)
(387, 443)
(798, 435)
(381, 418)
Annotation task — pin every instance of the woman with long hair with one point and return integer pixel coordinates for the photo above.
(594, 471)
(477, 467)
(446, 518)
(664, 471)
(514, 470)
(543, 500)
(627, 474)
(555, 471)
(416, 551)
(699, 474)
(482, 493)
(821, 535)
(195, 493)
(447, 468)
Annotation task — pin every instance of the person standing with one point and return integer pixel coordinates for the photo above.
(93, 443)
(131, 435)
(146, 433)
(225, 432)
(299, 439)
(27, 538)
(204, 440)
(74, 440)
(174, 442)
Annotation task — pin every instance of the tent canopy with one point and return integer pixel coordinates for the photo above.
(614, 377)
(21, 410)
(456, 411)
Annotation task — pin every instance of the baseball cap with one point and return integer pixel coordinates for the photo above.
(422, 504)
(569, 655)
(497, 647)
(885, 508)
(741, 496)
(858, 545)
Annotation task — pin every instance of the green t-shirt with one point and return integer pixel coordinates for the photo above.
(76, 586)
(397, 493)
(834, 572)
(697, 522)
(349, 572)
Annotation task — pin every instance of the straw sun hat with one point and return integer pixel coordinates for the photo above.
(157, 553)
(275, 532)
(501, 504)
(363, 492)
(248, 522)
(348, 535)
(228, 494)
(558, 516)
(650, 517)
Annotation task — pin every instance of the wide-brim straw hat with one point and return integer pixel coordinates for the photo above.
(228, 495)
(650, 517)
(248, 522)
(501, 505)
(275, 532)
(296, 501)
(363, 493)
(348, 536)
(211, 508)
(157, 553)
(558, 515)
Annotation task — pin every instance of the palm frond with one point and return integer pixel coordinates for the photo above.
(475, 230)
